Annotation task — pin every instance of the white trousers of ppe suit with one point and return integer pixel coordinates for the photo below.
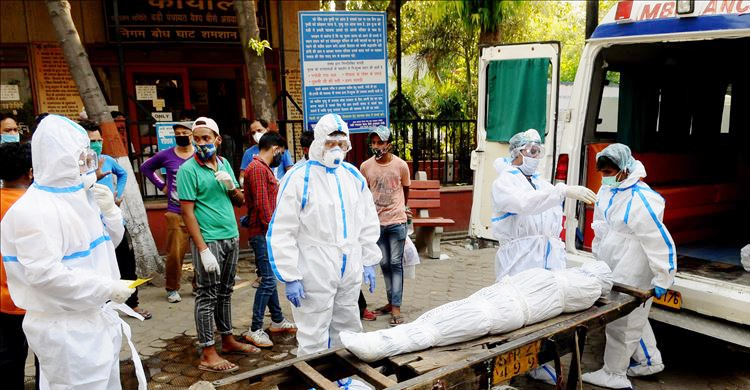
(330, 306)
(631, 238)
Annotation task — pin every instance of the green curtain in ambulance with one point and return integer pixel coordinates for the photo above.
(516, 97)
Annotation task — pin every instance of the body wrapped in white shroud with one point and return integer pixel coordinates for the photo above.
(526, 298)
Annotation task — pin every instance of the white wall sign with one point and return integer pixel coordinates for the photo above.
(145, 92)
(9, 93)
(162, 116)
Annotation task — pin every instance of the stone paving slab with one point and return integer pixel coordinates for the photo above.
(693, 362)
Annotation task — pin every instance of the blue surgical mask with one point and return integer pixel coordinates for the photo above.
(205, 152)
(611, 181)
(9, 138)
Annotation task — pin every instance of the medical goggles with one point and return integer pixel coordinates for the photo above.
(87, 161)
(339, 140)
(532, 149)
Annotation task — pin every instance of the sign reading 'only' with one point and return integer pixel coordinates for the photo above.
(344, 67)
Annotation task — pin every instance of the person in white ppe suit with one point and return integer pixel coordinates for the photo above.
(58, 245)
(631, 238)
(527, 218)
(323, 237)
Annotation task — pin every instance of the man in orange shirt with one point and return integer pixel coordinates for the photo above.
(15, 172)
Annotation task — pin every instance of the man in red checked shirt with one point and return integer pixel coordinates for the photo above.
(260, 188)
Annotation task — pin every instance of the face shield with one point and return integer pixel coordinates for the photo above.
(337, 140)
(87, 161)
(532, 150)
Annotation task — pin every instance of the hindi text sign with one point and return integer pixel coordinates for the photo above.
(344, 67)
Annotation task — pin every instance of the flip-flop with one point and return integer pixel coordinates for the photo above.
(396, 320)
(143, 312)
(214, 367)
(247, 349)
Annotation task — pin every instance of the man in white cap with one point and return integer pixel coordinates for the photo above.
(208, 190)
(323, 237)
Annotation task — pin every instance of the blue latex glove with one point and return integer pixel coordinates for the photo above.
(295, 292)
(370, 277)
(659, 292)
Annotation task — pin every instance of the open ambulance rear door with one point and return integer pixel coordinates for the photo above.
(518, 90)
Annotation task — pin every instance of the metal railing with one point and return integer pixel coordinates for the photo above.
(443, 147)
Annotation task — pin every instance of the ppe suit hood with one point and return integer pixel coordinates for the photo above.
(328, 123)
(55, 148)
(502, 164)
(638, 172)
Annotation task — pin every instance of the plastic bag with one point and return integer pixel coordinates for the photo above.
(411, 259)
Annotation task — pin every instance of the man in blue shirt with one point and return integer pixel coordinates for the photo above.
(257, 129)
(108, 172)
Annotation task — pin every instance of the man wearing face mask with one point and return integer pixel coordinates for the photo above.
(260, 192)
(258, 128)
(9, 130)
(527, 218)
(632, 239)
(323, 238)
(177, 235)
(207, 191)
(58, 243)
(389, 181)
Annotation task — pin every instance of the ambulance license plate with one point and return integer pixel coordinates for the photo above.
(672, 299)
(516, 362)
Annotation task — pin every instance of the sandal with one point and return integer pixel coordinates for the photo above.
(245, 349)
(383, 310)
(217, 367)
(143, 312)
(396, 320)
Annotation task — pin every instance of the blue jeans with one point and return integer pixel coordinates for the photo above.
(266, 294)
(391, 243)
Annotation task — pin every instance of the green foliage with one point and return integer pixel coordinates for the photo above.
(258, 46)
(443, 38)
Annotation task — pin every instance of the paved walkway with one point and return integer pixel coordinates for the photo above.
(166, 342)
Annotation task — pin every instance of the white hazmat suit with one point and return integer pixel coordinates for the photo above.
(527, 221)
(324, 231)
(525, 298)
(59, 253)
(631, 238)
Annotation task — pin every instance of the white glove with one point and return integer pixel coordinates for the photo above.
(104, 198)
(120, 291)
(226, 179)
(580, 193)
(210, 264)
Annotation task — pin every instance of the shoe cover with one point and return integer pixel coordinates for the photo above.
(544, 373)
(643, 370)
(367, 346)
(602, 378)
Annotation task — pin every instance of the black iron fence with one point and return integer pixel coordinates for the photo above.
(443, 147)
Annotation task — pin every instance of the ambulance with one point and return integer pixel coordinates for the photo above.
(671, 79)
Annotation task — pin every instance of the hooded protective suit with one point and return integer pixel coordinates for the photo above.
(324, 231)
(631, 238)
(527, 221)
(59, 254)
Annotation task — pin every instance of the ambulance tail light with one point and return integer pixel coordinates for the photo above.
(624, 9)
(561, 171)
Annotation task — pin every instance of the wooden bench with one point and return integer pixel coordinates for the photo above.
(425, 195)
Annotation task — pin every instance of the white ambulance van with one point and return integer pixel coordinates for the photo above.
(671, 79)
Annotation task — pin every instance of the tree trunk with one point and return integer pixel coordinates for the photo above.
(260, 94)
(487, 37)
(147, 256)
(340, 5)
